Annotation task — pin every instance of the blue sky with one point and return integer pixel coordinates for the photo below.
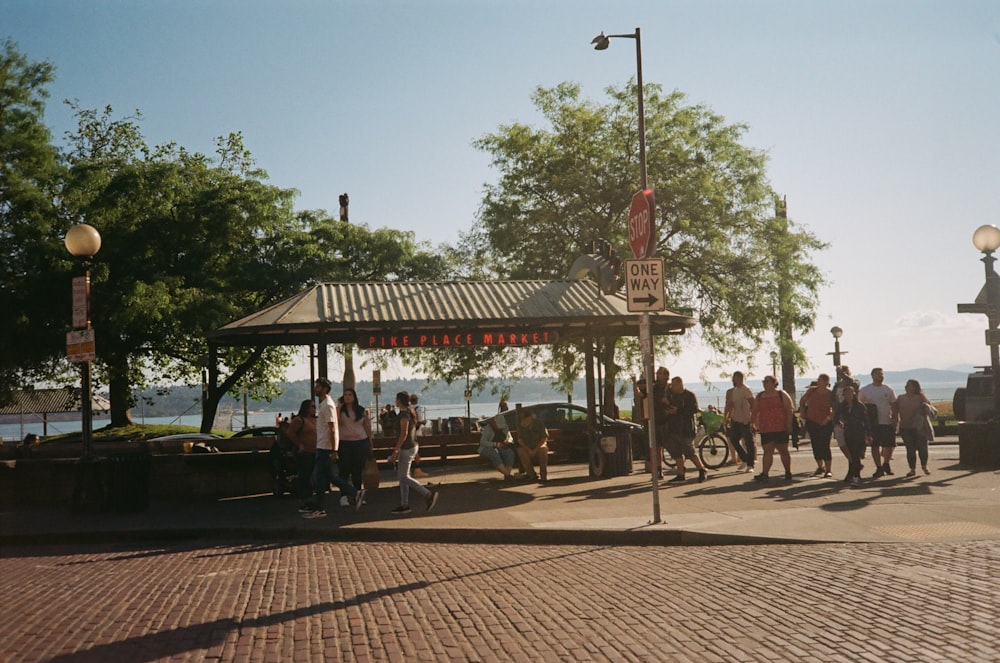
(880, 118)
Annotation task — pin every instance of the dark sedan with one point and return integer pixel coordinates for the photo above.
(570, 440)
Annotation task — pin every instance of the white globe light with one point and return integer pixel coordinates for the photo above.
(986, 238)
(837, 332)
(83, 241)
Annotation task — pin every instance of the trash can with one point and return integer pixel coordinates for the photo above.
(611, 454)
(128, 482)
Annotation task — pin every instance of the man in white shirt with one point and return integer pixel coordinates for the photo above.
(881, 398)
(740, 402)
(327, 446)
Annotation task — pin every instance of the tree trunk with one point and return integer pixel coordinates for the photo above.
(213, 392)
(607, 359)
(120, 393)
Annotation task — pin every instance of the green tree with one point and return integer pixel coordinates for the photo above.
(34, 269)
(189, 243)
(562, 186)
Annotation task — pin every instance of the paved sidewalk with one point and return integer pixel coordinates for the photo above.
(953, 503)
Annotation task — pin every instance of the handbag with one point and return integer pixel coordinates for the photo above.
(370, 478)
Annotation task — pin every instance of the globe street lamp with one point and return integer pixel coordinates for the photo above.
(774, 363)
(987, 240)
(837, 332)
(83, 242)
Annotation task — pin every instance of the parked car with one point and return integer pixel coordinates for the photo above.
(186, 437)
(567, 425)
(259, 431)
(974, 401)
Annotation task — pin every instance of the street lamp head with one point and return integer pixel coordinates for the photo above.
(600, 42)
(774, 355)
(837, 332)
(986, 238)
(83, 241)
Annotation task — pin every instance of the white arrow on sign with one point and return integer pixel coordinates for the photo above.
(644, 285)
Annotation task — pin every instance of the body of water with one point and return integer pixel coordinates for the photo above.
(715, 395)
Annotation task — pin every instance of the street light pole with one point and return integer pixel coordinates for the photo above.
(837, 332)
(987, 240)
(83, 241)
(774, 363)
(601, 42)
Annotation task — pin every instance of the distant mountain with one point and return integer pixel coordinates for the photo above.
(925, 376)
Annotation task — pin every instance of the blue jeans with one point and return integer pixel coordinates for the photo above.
(323, 477)
(305, 464)
(403, 464)
(353, 454)
(738, 432)
(498, 457)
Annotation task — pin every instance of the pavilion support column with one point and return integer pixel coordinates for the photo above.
(589, 378)
(322, 360)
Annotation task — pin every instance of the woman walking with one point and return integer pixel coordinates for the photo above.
(852, 419)
(301, 432)
(355, 437)
(773, 418)
(406, 449)
(914, 426)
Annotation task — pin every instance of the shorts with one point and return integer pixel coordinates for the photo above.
(884, 435)
(778, 437)
(679, 444)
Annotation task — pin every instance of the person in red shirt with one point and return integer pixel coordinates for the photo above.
(773, 419)
(816, 407)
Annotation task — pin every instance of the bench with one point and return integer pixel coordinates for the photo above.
(442, 449)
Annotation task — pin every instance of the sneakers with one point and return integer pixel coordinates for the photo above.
(819, 472)
(318, 513)
(679, 477)
(761, 477)
(359, 499)
(307, 508)
(742, 467)
(788, 476)
(432, 498)
(345, 501)
(400, 510)
(880, 472)
(887, 470)
(749, 469)
(828, 475)
(702, 475)
(855, 481)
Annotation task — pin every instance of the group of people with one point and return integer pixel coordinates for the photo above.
(859, 417)
(340, 432)
(855, 417)
(497, 446)
(675, 412)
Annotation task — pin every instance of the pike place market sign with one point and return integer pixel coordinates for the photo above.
(487, 339)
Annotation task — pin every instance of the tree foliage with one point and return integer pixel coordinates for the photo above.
(562, 186)
(30, 226)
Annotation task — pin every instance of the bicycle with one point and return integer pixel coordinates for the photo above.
(710, 440)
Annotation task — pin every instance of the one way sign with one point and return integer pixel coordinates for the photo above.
(644, 285)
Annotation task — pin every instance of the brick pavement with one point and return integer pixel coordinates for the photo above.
(352, 601)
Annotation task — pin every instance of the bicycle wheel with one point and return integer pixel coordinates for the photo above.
(713, 451)
(668, 460)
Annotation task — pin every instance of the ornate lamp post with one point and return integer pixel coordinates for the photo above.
(987, 240)
(837, 332)
(774, 362)
(83, 242)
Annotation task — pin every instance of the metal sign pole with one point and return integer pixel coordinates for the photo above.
(646, 346)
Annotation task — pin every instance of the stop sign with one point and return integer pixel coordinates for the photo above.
(641, 217)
